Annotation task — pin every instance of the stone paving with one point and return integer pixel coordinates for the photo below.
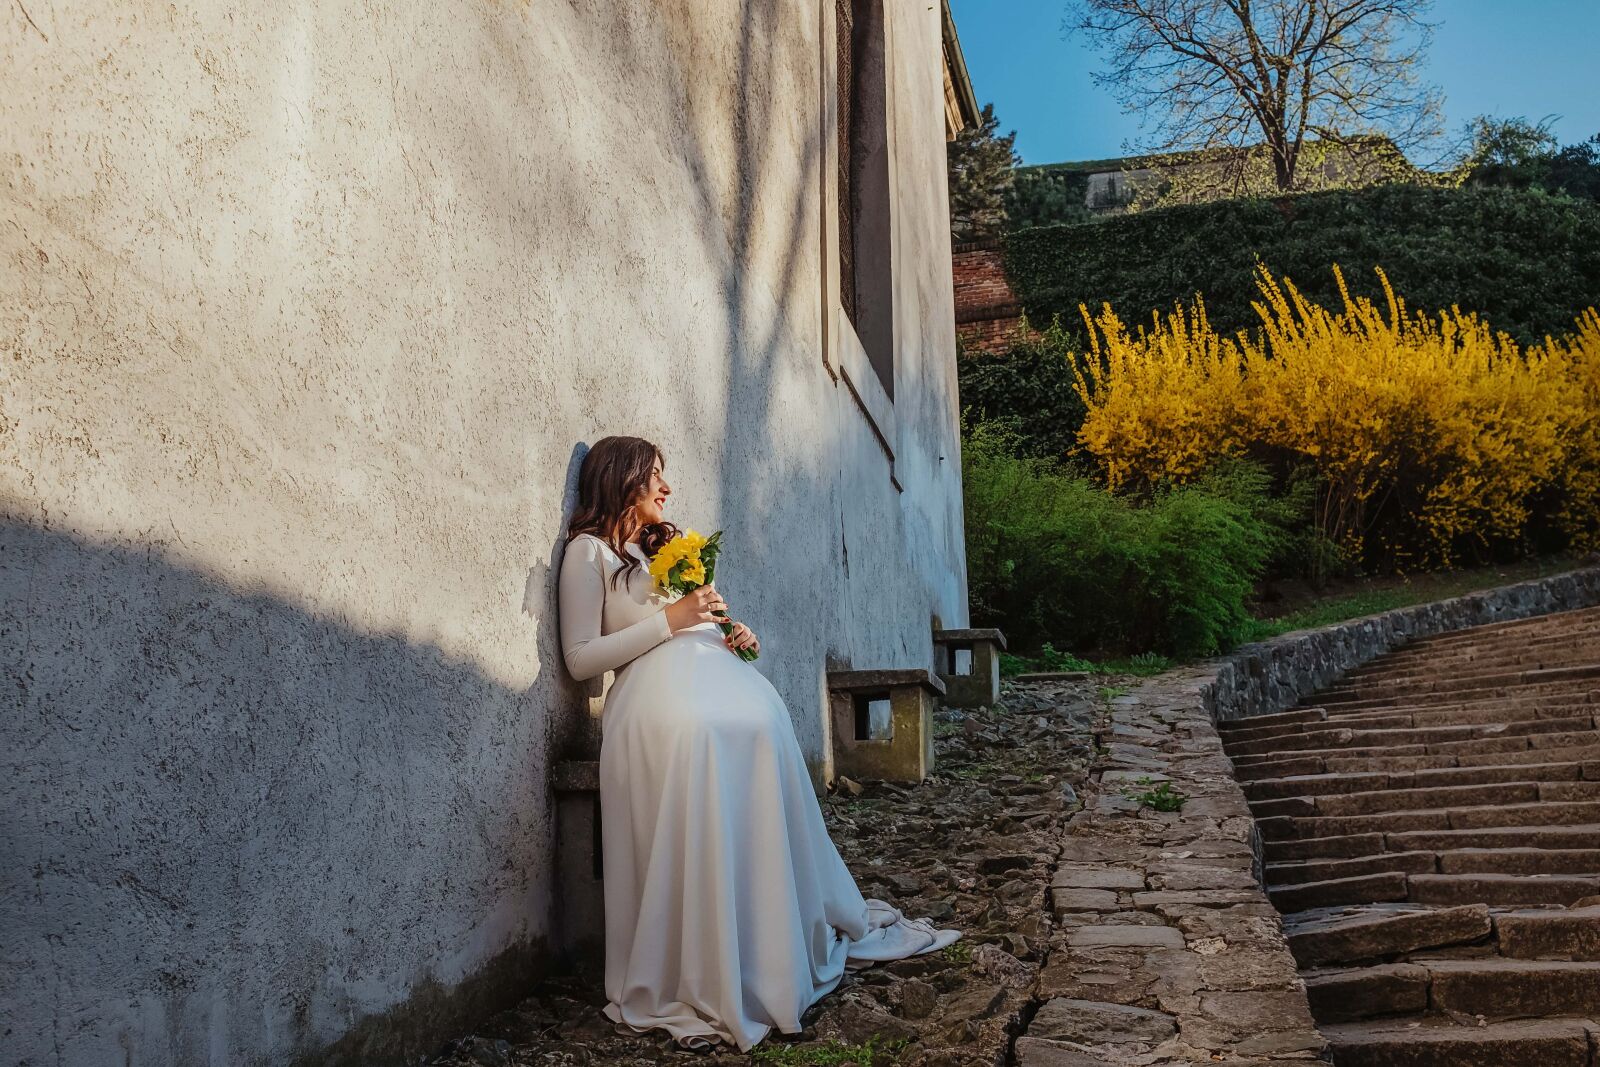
(1165, 948)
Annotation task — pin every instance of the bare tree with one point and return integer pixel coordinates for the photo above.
(1216, 78)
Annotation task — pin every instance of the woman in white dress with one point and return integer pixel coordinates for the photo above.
(728, 909)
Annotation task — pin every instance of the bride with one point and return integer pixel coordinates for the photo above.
(728, 910)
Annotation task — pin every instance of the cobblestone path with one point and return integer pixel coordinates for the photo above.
(1432, 829)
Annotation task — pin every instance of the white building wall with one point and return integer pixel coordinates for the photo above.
(306, 314)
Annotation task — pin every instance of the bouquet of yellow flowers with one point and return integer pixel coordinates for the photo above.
(687, 562)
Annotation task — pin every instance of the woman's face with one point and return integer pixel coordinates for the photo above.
(651, 506)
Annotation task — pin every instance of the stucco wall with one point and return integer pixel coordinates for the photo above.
(306, 313)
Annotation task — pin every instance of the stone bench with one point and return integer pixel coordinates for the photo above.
(580, 901)
(979, 684)
(883, 722)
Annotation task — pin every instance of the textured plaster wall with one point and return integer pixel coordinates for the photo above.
(306, 312)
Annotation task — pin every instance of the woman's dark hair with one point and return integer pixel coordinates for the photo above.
(614, 472)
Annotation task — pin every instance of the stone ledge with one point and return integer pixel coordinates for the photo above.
(1268, 676)
(859, 681)
(952, 637)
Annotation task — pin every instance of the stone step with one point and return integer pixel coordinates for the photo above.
(1493, 632)
(1513, 989)
(1350, 935)
(1472, 749)
(1465, 715)
(1542, 813)
(1568, 686)
(1571, 836)
(1351, 994)
(1522, 705)
(1512, 661)
(1551, 656)
(1308, 785)
(1377, 801)
(1233, 738)
(1572, 934)
(1387, 764)
(1499, 851)
(1523, 861)
(1321, 870)
(1463, 796)
(1357, 889)
(1279, 718)
(1541, 753)
(1289, 850)
(1270, 768)
(1495, 890)
(1502, 890)
(1381, 741)
(1439, 1042)
(1533, 650)
(1446, 681)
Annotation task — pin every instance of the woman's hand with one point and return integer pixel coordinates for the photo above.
(742, 637)
(694, 607)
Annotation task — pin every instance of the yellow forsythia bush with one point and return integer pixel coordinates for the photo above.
(1429, 432)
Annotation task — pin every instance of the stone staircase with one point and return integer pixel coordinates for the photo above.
(1431, 834)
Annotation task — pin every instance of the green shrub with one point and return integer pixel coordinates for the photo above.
(1053, 558)
(1527, 261)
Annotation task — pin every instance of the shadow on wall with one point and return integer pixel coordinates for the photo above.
(237, 831)
(574, 728)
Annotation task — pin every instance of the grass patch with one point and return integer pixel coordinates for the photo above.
(982, 770)
(831, 1053)
(1363, 596)
(1370, 596)
(1142, 664)
(1048, 659)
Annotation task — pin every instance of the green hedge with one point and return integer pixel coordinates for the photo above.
(1028, 388)
(1529, 262)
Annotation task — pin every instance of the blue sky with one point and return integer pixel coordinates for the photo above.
(1491, 57)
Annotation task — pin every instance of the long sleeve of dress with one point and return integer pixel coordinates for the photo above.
(582, 594)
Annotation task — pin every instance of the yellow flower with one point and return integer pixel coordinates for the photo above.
(685, 547)
(1380, 401)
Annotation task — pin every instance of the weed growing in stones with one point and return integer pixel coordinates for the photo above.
(832, 1053)
(1148, 663)
(1161, 797)
(958, 951)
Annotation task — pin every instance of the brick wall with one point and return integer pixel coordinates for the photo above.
(987, 314)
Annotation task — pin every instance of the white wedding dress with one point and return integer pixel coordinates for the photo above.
(728, 909)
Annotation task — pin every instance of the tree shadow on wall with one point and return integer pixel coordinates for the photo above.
(227, 814)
